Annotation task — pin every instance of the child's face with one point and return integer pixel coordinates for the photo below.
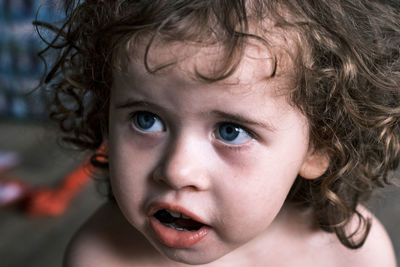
(226, 153)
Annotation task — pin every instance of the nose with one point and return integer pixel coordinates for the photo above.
(184, 165)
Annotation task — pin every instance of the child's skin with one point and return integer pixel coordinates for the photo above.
(226, 153)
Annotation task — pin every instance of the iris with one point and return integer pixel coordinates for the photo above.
(233, 134)
(147, 122)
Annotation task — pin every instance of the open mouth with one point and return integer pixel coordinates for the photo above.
(177, 221)
(176, 227)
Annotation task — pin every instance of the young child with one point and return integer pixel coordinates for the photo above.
(238, 133)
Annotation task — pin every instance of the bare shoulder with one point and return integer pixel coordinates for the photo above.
(107, 239)
(315, 247)
(377, 249)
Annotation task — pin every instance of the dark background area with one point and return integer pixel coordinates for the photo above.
(20, 67)
(25, 132)
(40, 241)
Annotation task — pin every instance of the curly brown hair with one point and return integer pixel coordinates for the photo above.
(347, 80)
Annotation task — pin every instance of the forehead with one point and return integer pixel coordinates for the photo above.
(257, 61)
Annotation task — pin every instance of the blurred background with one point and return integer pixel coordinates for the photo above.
(45, 193)
(52, 193)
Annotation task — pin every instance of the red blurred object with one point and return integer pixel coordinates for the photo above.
(54, 201)
(43, 201)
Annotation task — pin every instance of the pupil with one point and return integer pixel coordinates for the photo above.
(145, 120)
(229, 132)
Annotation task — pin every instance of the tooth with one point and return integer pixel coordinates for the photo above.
(185, 217)
(175, 214)
(175, 227)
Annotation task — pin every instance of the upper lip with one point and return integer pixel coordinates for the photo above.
(156, 206)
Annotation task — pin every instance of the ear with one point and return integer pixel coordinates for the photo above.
(315, 164)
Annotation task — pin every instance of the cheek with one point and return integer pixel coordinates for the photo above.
(251, 194)
(247, 215)
(128, 174)
(129, 163)
(249, 206)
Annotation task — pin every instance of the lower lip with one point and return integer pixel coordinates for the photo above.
(177, 239)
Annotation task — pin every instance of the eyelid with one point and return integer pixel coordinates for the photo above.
(239, 119)
(250, 134)
(140, 105)
(236, 148)
(133, 121)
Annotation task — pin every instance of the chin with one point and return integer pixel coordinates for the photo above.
(191, 256)
(191, 259)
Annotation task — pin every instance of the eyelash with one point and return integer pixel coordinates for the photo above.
(133, 121)
(236, 147)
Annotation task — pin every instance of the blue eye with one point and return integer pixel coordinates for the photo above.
(232, 134)
(147, 122)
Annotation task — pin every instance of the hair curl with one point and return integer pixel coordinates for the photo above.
(348, 80)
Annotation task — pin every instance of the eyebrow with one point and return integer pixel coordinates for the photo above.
(232, 117)
(133, 103)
